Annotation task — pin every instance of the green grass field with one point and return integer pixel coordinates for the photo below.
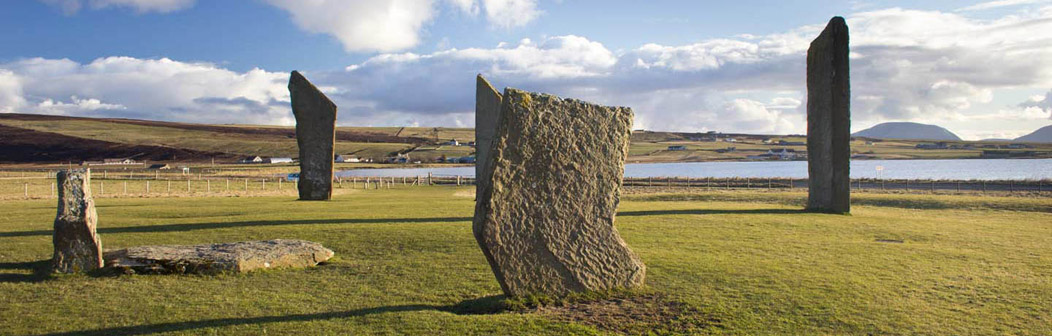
(748, 263)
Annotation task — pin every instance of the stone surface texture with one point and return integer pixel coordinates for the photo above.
(77, 245)
(316, 136)
(487, 108)
(545, 221)
(829, 120)
(217, 258)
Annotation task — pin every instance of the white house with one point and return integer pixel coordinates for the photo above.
(279, 160)
(352, 159)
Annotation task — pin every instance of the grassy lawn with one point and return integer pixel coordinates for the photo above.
(749, 262)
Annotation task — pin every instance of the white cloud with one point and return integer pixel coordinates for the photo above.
(511, 13)
(146, 88)
(924, 66)
(139, 6)
(379, 25)
(75, 106)
(1000, 4)
(1039, 103)
(11, 98)
(392, 25)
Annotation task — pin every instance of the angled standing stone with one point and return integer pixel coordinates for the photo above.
(545, 220)
(77, 246)
(316, 136)
(487, 109)
(829, 120)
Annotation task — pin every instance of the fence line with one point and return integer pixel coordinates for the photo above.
(35, 187)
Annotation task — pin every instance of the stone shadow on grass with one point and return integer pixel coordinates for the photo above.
(40, 271)
(224, 225)
(713, 212)
(226, 322)
(485, 305)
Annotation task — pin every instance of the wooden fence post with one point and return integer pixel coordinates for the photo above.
(147, 187)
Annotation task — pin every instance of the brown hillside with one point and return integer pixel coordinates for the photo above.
(24, 146)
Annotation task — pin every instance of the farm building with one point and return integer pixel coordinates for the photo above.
(251, 159)
(278, 160)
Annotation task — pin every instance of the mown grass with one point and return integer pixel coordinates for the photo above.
(749, 260)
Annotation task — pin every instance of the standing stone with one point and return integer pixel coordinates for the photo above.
(829, 120)
(545, 219)
(316, 136)
(77, 246)
(487, 109)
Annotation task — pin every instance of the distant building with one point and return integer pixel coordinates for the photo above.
(341, 158)
(791, 143)
(119, 161)
(677, 148)
(278, 160)
(401, 158)
(452, 142)
(159, 166)
(251, 159)
(783, 153)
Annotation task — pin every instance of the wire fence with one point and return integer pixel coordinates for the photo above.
(42, 184)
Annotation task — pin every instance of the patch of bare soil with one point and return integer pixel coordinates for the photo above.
(644, 314)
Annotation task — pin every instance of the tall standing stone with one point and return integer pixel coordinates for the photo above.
(829, 120)
(545, 220)
(77, 246)
(487, 109)
(316, 136)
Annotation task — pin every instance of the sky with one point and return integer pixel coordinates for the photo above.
(982, 69)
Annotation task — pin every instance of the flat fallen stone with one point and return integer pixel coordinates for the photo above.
(316, 137)
(77, 245)
(217, 258)
(545, 218)
(829, 120)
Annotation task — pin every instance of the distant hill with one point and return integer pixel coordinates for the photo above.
(907, 130)
(1043, 135)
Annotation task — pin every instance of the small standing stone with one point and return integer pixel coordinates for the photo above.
(77, 246)
(829, 120)
(487, 110)
(316, 136)
(545, 218)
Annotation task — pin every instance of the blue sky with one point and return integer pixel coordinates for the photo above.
(980, 68)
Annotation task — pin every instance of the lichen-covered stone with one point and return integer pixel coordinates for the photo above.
(217, 258)
(316, 136)
(77, 245)
(487, 109)
(545, 221)
(829, 120)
